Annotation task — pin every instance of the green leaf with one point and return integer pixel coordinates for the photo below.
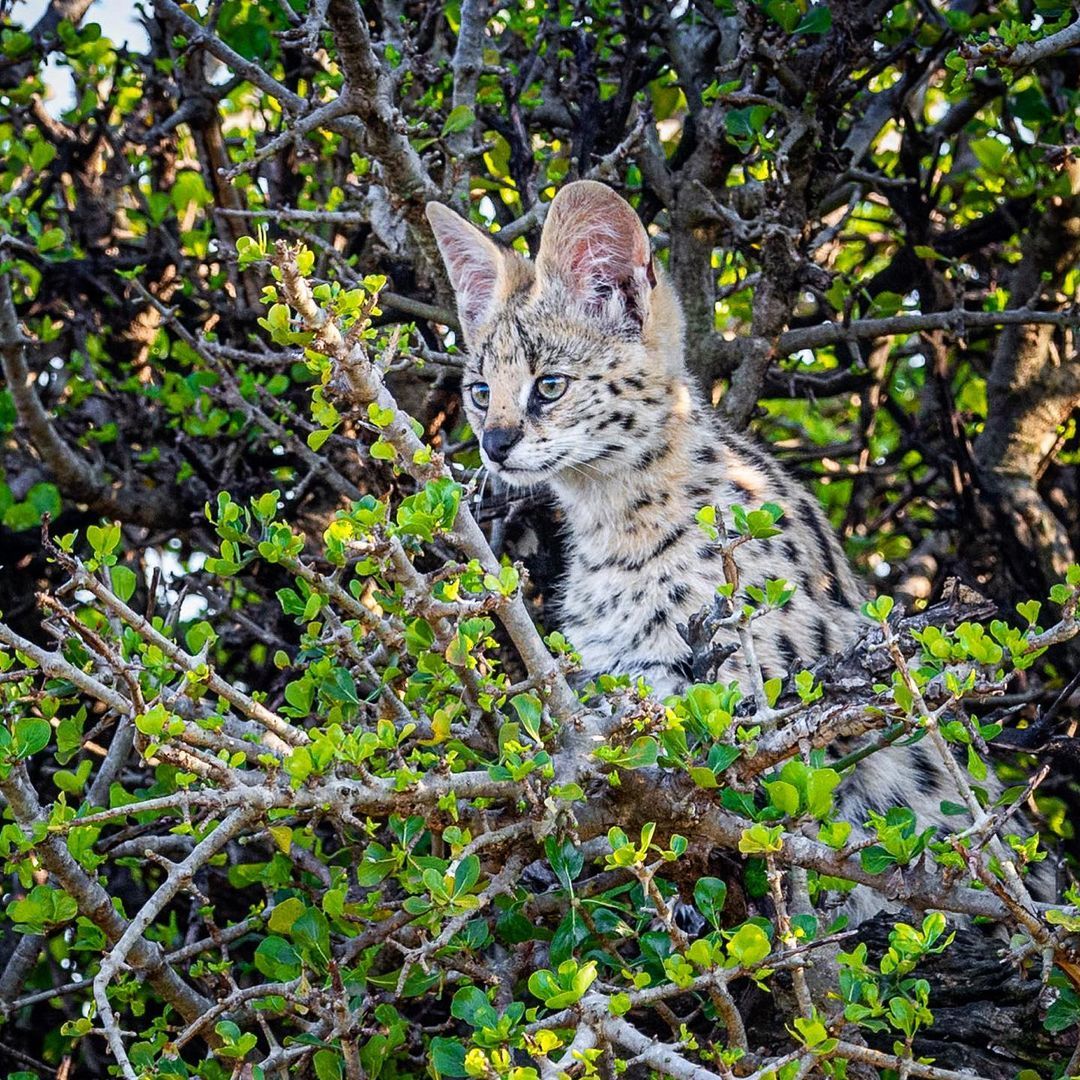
(198, 635)
(277, 959)
(461, 117)
(565, 859)
(311, 936)
(30, 736)
(448, 1057)
(772, 690)
(709, 896)
(749, 945)
(818, 20)
(317, 438)
(285, 914)
(976, 765)
(784, 12)
(123, 582)
(329, 1065)
(381, 450)
(1064, 1012)
(104, 539)
(703, 777)
(820, 785)
(784, 797)
(641, 754)
(42, 908)
(875, 859)
(45, 499)
(471, 1005)
(528, 709)
(466, 874)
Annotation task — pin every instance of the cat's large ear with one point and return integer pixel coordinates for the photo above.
(596, 247)
(477, 266)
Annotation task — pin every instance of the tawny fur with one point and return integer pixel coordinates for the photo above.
(632, 453)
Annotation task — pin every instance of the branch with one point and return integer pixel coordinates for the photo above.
(720, 356)
(467, 65)
(20, 963)
(74, 476)
(191, 665)
(815, 337)
(364, 385)
(72, 473)
(179, 876)
(1032, 52)
(94, 902)
(370, 91)
(1031, 391)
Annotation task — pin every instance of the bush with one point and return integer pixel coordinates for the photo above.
(293, 784)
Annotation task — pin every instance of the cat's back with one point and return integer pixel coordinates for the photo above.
(640, 566)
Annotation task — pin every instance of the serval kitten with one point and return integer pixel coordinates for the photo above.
(576, 379)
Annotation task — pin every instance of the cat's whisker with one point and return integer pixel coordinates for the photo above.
(479, 497)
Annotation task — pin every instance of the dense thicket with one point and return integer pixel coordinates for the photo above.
(292, 785)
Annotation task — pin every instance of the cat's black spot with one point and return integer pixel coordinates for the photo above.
(625, 420)
(812, 520)
(924, 763)
(836, 594)
(788, 653)
(635, 382)
(651, 457)
(823, 642)
(668, 541)
(706, 454)
(679, 593)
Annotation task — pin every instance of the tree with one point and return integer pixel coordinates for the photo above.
(292, 782)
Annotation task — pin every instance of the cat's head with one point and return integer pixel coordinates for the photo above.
(571, 360)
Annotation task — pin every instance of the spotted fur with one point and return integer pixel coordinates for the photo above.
(632, 452)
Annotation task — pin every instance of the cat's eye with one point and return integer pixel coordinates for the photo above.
(481, 394)
(551, 387)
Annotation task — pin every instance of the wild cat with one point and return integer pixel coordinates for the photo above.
(576, 378)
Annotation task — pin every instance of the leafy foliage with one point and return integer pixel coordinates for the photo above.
(292, 784)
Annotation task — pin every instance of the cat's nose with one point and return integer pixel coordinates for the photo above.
(499, 441)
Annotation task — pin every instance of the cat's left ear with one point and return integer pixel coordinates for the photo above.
(481, 272)
(596, 247)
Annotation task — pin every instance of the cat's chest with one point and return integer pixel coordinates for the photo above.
(622, 609)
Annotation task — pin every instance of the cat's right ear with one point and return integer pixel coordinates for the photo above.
(476, 265)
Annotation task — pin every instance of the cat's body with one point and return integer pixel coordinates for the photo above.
(576, 378)
(639, 566)
(629, 448)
